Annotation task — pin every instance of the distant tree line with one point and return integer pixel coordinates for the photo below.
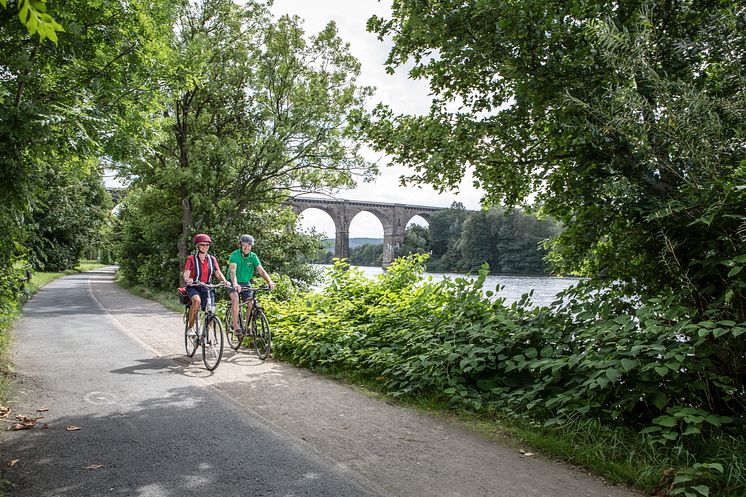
(461, 241)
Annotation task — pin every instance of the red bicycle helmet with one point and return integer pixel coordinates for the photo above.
(202, 238)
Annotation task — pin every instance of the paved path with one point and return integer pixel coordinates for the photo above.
(159, 424)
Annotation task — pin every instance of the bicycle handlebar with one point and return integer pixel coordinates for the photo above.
(256, 289)
(207, 285)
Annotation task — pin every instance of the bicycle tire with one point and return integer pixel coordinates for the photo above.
(190, 342)
(212, 343)
(262, 335)
(230, 333)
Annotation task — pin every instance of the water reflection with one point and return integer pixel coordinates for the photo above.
(545, 287)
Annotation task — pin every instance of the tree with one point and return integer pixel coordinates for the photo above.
(367, 254)
(67, 215)
(621, 117)
(445, 229)
(416, 240)
(255, 112)
(60, 109)
(33, 14)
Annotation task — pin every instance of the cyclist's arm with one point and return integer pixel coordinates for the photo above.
(265, 277)
(232, 270)
(220, 275)
(188, 273)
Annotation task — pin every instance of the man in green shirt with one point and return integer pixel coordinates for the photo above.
(242, 264)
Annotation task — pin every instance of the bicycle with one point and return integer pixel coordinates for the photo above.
(210, 336)
(256, 325)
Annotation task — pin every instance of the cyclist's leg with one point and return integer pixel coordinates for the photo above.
(196, 301)
(249, 308)
(190, 335)
(234, 309)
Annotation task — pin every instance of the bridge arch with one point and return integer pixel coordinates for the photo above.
(393, 218)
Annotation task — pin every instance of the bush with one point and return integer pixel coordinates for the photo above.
(675, 376)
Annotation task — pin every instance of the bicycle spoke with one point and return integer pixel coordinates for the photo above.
(233, 341)
(212, 343)
(262, 335)
(190, 342)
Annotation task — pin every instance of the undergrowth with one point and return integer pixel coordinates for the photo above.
(645, 393)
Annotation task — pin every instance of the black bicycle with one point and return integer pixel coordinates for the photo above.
(208, 334)
(256, 325)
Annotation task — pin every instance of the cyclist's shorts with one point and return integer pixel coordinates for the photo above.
(202, 292)
(245, 294)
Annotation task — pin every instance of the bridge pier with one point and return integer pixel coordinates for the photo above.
(342, 244)
(393, 240)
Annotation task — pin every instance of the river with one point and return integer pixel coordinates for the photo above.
(545, 287)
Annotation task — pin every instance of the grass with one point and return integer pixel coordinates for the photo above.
(41, 278)
(167, 299)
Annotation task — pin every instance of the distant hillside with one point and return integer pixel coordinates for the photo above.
(354, 242)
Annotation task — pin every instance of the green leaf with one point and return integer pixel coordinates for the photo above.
(692, 430)
(629, 364)
(613, 375)
(661, 370)
(734, 271)
(718, 332)
(658, 399)
(667, 421)
(682, 479)
(702, 489)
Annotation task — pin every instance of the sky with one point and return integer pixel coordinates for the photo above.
(404, 95)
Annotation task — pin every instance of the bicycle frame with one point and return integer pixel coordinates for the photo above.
(254, 308)
(254, 324)
(210, 336)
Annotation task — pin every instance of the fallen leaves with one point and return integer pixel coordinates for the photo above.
(12, 463)
(94, 467)
(526, 454)
(24, 423)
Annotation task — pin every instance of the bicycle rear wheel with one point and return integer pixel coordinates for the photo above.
(230, 333)
(262, 335)
(190, 342)
(212, 343)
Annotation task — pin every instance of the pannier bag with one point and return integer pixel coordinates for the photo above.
(183, 297)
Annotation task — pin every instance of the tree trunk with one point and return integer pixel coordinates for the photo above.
(186, 225)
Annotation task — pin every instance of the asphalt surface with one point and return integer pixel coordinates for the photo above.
(152, 422)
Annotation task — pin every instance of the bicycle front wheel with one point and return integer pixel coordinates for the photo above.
(212, 343)
(230, 332)
(262, 335)
(190, 341)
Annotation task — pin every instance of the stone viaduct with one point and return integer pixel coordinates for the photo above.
(393, 217)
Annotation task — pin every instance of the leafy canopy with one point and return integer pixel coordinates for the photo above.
(622, 119)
